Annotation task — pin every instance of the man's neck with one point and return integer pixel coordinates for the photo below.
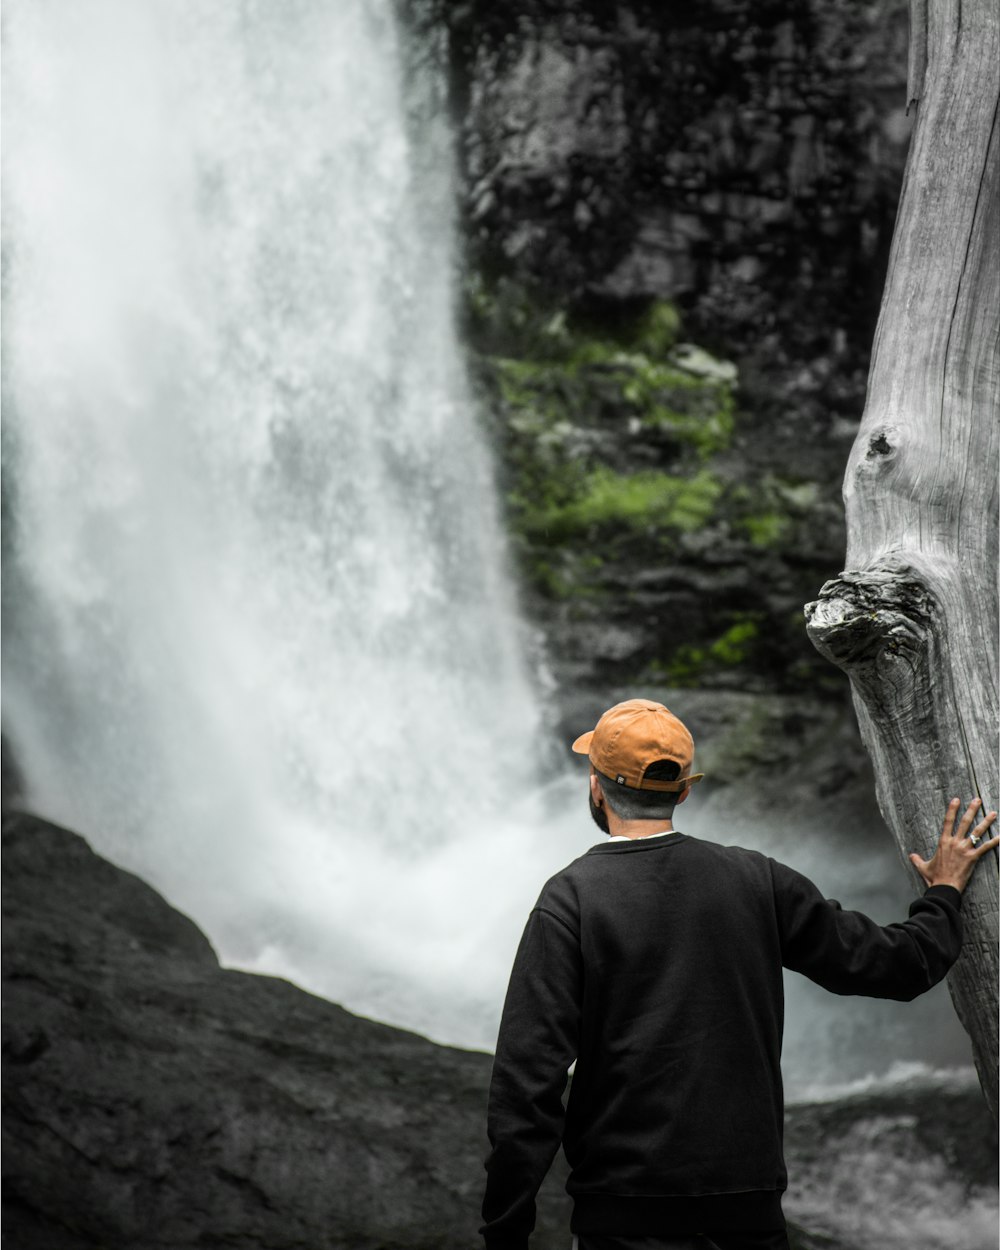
(637, 828)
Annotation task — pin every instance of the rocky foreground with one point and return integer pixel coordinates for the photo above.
(153, 1098)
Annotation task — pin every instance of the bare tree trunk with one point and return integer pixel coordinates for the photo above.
(914, 620)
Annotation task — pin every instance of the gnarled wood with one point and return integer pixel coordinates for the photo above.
(914, 623)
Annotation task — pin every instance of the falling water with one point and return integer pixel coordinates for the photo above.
(260, 644)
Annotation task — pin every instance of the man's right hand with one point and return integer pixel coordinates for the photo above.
(958, 850)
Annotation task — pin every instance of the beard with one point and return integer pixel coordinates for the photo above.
(600, 816)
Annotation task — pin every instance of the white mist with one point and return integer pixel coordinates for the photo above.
(260, 642)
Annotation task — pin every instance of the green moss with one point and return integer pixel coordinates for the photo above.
(572, 369)
(571, 575)
(689, 664)
(636, 501)
(732, 646)
(506, 319)
(599, 376)
(635, 361)
(768, 511)
(613, 434)
(765, 529)
(576, 398)
(658, 328)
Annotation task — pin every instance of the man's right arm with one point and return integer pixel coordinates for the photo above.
(848, 953)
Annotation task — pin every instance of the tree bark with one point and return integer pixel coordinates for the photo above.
(914, 621)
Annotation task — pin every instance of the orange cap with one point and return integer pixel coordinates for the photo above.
(632, 735)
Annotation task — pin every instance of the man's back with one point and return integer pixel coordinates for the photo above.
(656, 964)
(677, 1075)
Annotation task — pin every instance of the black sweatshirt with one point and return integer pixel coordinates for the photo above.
(656, 965)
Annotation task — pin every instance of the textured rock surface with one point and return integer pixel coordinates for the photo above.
(741, 162)
(650, 551)
(915, 1169)
(152, 1098)
(743, 158)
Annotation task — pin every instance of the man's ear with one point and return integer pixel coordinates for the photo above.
(597, 794)
(683, 794)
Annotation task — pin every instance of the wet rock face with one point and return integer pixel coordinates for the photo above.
(744, 158)
(150, 1095)
(740, 163)
(867, 1151)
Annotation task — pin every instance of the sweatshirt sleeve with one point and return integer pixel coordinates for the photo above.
(848, 953)
(537, 1043)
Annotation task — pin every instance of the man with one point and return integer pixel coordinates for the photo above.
(654, 962)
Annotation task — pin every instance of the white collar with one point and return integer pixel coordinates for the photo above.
(620, 837)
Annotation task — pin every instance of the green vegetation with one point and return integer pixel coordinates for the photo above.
(575, 375)
(765, 514)
(569, 575)
(647, 500)
(616, 443)
(689, 664)
(576, 399)
(764, 529)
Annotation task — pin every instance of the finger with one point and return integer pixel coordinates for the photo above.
(921, 865)
(970, 815)
(977, 834)
(988, 845)
(949, 818)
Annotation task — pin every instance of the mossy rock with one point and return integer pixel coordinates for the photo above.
(620, 466)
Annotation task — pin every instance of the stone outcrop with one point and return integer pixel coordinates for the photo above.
(152, 1098)
(739, 163)
(742, 159)
(856, 1165)
(650, 551)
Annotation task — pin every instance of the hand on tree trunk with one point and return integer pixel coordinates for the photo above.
(958, 850)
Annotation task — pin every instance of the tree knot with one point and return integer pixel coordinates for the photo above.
(861, 618)
(879, 445)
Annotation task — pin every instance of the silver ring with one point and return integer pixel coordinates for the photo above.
(974, 840)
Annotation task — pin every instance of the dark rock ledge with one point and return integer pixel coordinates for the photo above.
(154, 1099)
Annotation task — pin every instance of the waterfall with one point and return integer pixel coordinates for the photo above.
(260, 643)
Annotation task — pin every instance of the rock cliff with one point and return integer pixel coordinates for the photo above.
(676, 221)
(154, 1098)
